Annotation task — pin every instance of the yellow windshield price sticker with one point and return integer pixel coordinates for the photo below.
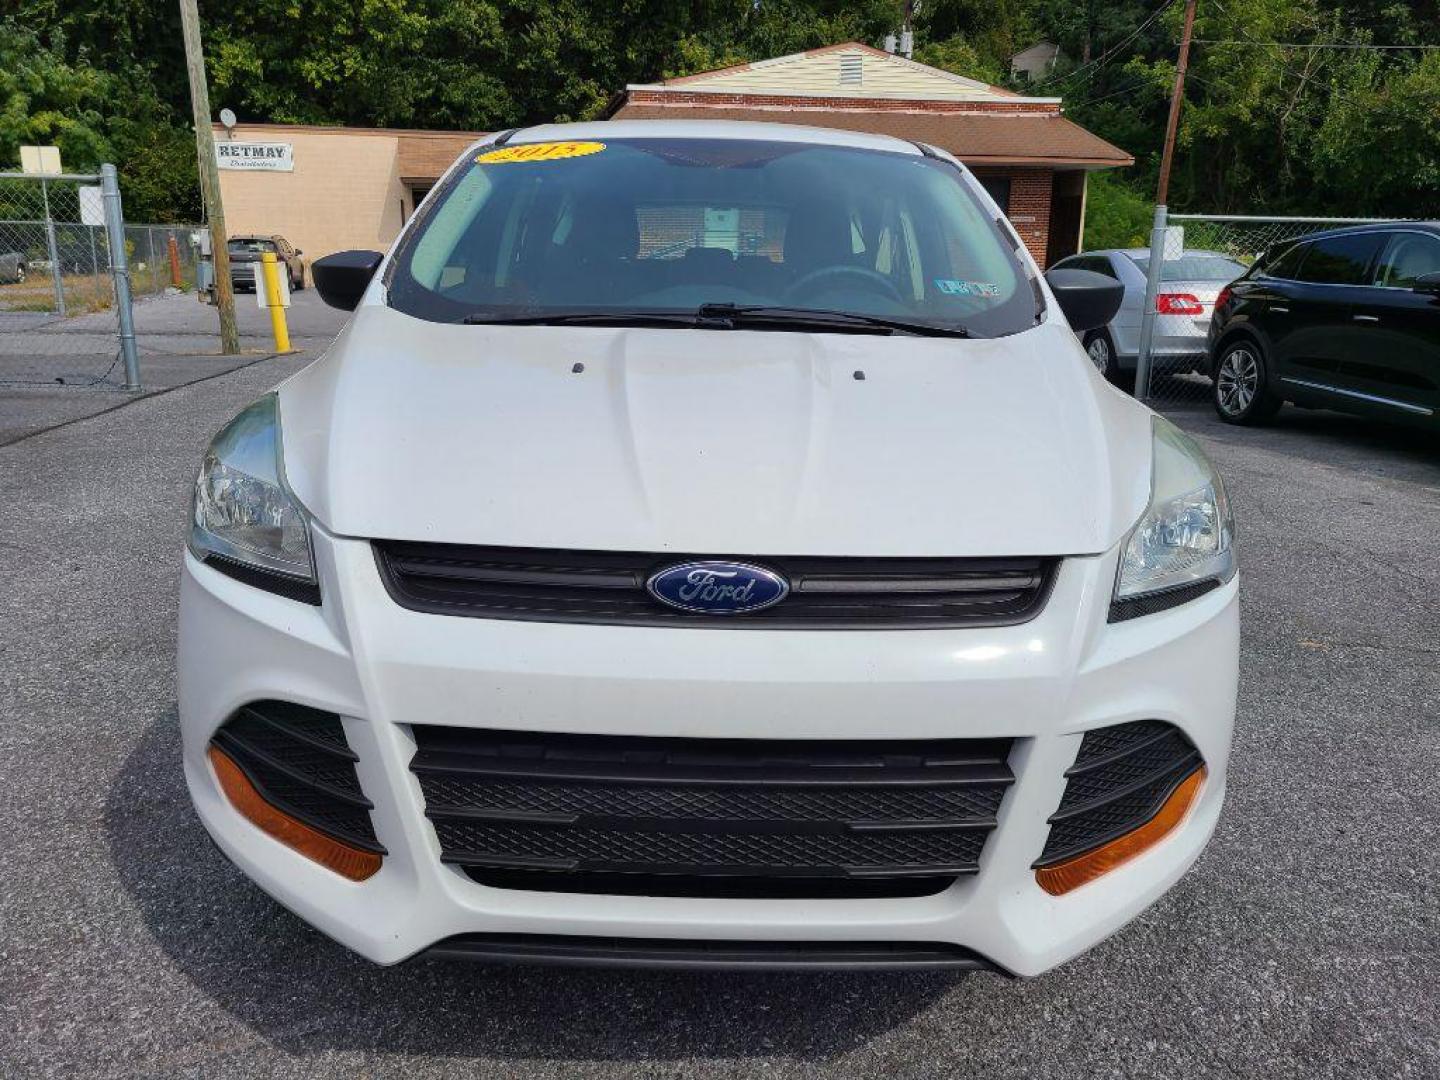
(550, 151)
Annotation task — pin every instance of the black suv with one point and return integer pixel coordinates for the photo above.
(1347, 319)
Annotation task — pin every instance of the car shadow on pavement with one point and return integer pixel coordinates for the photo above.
(304, 993)
(1367, 446)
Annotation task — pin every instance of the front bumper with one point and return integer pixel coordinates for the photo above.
(382, 667)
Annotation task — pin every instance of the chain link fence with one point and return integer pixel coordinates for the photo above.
(1201, 254)
(60, 322)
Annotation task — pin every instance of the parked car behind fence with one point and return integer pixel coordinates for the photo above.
(1189, 285)
(12, 268)
(245, 251)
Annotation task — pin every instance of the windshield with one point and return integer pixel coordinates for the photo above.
(251, 246)
(1194, 268)
(669, 225)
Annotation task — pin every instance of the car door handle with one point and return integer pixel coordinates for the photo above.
(1366, 318)
(1280, 309)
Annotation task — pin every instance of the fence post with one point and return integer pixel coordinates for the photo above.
(120, 271)
(95, 267)
(53, 250)
(1152, 290)
(154, 263)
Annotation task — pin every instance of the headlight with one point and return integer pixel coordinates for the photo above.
(245, 521)
(1184, 543)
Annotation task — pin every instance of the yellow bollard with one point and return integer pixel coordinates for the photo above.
(271, 272)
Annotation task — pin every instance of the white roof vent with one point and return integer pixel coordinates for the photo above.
(852, 69)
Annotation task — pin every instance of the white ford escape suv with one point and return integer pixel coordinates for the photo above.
(707, 544)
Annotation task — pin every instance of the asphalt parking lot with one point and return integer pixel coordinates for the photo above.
(1305, 943)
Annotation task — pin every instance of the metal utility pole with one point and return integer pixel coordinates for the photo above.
(1176, 97)
(209, 176)
(1158, 229)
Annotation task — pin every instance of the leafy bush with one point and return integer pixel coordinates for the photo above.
(1116, 216)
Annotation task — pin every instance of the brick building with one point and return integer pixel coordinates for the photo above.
(330, 188)
(1028, 155)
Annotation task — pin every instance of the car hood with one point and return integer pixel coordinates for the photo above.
(713, 441)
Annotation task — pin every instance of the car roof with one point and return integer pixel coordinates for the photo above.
(600, 130)
(1144, 253)
(1369, 226)
(1204, 253)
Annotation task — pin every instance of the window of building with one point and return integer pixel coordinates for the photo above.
(998, 188)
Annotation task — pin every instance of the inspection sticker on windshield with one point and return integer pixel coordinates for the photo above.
(549, 151)
(951, 287)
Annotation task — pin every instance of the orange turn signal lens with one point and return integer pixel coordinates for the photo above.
(347, 861)
(1072, 873)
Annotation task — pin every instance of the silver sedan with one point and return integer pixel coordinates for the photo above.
(1188, 288)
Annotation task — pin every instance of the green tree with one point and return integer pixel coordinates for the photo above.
(1116, 215)
(1378, 146)
(47, 101)
(959, 57)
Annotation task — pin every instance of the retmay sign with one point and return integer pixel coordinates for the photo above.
(255, 156)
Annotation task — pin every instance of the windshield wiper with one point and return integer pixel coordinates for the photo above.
(586, 318)
(819, 319)
(726, 317)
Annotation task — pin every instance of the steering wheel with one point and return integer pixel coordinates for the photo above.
(808, 281)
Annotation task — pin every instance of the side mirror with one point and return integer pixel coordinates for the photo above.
(1428, 283)
(1089, 300)
(342, 278)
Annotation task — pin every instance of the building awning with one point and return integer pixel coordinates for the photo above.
(1041, 140)
(423, 156)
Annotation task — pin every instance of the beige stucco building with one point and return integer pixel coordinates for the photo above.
(345, 188)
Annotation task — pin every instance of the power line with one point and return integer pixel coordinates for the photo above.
(1106, 97)
(1315, 45)
(1303, 78)
(1105, 56)
(1131, 88)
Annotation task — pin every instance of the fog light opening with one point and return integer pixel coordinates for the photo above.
(1074, 872)
(347, 861)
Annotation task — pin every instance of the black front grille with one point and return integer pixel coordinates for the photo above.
(589, 807)
(1121, 777)
(298, 760)
(544, 585)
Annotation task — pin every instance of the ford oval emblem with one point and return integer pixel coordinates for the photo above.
(717, 588)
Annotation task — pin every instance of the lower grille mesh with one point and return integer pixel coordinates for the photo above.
(757, 853)
(298, 760)
(1121, 777)
(446, 794)
(598, 806)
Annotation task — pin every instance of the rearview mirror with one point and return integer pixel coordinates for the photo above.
(1428, 283)
(1089, 300)
(342, 278)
